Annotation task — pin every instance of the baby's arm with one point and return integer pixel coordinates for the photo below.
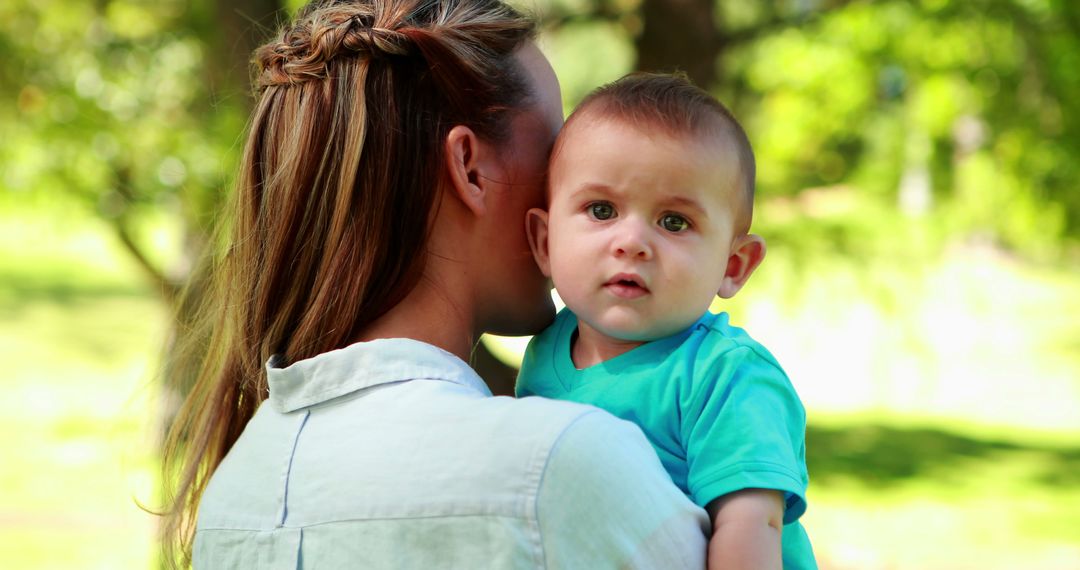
(746, 530)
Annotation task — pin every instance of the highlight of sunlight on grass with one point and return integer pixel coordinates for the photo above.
(80, 335)
(943, 432)
(978, 338)
(940, 434)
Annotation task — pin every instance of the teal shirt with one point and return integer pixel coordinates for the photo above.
(715, 405)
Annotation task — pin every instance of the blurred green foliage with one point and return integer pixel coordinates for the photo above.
(889, 135)
(958, 112)
(110, 105)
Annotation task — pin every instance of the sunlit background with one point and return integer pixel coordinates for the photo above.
(918, 189)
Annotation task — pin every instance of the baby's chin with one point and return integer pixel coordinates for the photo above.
(643, 333)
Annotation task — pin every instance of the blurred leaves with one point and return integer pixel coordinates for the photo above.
(110, 105)
(875, 91)
(886, 132)
(961, 113)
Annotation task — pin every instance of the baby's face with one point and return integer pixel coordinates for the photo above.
(640, 226)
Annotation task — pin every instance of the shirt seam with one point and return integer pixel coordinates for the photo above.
(287, 393)
(288, 470)
(328, 394)
(746, 343)
(757, 465)
(222, 526)
(540, 483)
(799, 489)
(751, 467)
(701, 396)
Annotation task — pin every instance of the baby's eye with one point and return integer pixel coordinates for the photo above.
(674, 223)
(601, 210)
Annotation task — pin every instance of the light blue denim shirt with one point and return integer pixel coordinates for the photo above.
(394, 454)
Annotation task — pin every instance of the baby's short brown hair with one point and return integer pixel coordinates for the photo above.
(671, 103)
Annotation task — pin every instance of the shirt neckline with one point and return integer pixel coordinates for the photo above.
(572, 377)
(362, 365)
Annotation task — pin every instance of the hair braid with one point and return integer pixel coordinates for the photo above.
(305, 50)
(335, 191)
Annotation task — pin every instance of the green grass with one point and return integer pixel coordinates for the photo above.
(79, 333)
(953, 454)
(77, 417)
(906, 497)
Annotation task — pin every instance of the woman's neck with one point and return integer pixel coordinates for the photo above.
(427, 314)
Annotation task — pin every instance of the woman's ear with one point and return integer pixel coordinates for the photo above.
(747, 253)
(463, 152)
(536, 227)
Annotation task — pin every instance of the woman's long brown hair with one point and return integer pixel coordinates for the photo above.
(332, 201)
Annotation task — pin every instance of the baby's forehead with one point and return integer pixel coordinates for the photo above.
(712, 148)
(584, 123)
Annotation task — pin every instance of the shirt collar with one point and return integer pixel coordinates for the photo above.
(361, 365)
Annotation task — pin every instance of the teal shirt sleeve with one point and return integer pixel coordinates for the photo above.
(744, 427)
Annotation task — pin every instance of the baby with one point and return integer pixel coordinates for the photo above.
(649, 205)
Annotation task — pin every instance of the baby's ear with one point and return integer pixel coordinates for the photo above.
(747, 253)
(536, 227)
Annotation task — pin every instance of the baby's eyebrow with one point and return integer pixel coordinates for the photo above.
(678, 202)
(594, 188)
(672, 201)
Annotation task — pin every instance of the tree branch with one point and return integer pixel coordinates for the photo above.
(119, 221)
(168, 289)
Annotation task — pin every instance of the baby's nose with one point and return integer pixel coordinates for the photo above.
(633, 241)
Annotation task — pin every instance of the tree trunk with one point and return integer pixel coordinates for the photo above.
(241, 26)
(679, 35)
(230, 31)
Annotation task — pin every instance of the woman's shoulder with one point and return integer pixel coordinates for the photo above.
(538, 418)
(542, 436)
(583, 439)
(606, 501)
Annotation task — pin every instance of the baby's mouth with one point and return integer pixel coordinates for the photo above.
(627, 286)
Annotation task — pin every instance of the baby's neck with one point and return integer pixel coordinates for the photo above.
(590, 346)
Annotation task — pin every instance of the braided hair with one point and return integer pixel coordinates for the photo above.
(333, 199)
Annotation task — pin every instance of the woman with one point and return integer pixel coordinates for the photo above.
(378, 231)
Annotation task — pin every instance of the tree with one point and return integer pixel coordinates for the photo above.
(961, 112)
(135, 110)
(132, 110)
